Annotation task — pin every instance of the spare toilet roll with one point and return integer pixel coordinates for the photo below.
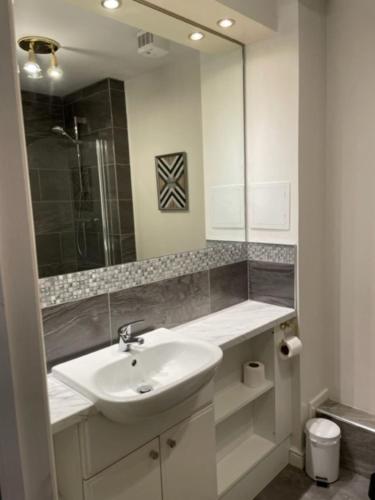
(253, 373)
(290, 347)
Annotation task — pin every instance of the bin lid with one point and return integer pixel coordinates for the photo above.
(322, 429)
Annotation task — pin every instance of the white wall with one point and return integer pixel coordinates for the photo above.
(223, 141)
(350, 199)
(315, 365)
(272, 114)
(26, 456)
(165, 116)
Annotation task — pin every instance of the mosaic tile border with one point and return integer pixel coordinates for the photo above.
(75, 286)
(269, 252)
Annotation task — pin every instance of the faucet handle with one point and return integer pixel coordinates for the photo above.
(125, 330)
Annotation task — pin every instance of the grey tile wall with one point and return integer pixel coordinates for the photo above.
(166, 291)
(49, 160)
(166, 303)
(357, 436)
(60, 207)
(271, 283)
(228, 285)
(76, 327)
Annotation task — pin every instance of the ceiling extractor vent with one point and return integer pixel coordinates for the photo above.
(150, 45)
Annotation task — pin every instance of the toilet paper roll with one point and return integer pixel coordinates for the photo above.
(253, 373)
(290, 347)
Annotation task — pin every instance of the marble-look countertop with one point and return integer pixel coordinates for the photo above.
(225, 329)
(236, 324)
(66, 406)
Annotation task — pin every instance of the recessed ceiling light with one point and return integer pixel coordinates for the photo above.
(196, 36)
(226, 22)
(111, 4)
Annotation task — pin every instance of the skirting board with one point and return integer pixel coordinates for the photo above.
(261, 475)
(317, 401)
(297, 458)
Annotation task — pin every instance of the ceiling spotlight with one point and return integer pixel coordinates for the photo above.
(35, 76)
(226, 22)
(54, 71)
(31, 66)
(111, 4)
(196, 36)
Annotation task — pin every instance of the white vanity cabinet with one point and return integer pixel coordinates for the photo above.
(178, 464)
(188, 459)
(136, 477)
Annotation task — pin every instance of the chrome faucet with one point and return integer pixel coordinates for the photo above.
(126, 337)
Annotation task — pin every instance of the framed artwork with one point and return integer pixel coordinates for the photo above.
(172, 185)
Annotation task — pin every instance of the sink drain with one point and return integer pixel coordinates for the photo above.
(144, 389)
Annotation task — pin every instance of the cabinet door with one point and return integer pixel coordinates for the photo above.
(188, 459)
(136, 477)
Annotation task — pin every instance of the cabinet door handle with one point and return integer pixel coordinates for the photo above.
(154, 455)
(171, 443)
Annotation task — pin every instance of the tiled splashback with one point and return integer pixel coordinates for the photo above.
(69, 287)
(82, 311)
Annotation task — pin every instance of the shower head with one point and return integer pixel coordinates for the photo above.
(60, 131)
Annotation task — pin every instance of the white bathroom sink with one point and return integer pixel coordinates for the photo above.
(149, 379)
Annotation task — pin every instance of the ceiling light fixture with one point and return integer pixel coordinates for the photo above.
(196, 36)
(31, 67)
(54, 71)
(111, 4)
(40, 45)
(226, 23)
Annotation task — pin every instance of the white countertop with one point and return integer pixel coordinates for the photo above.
(225, 328)
(235, 324)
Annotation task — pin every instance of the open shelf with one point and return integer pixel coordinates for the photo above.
(240, 460)
(233, 398)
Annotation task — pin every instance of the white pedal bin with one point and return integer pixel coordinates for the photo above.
(322, 450)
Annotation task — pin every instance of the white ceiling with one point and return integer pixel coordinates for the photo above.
(93, 46)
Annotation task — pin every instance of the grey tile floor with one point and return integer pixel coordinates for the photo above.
(293, 484)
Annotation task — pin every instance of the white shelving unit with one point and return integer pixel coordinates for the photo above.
(237, 463)
(244, 416)
(233, 398)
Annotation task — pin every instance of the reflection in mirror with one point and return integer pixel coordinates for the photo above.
(134, 134)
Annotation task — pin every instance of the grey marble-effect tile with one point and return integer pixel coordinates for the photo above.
(74, 328)
(271, 283)
(128, 248)
(118, 109)
(348, 414)
(116, 84)
(87, 91)
(56, 185)
(53, 217)
(34, 184)
(294, 484)
(126, 216)
(95, 108)
(228, 285)
(121, 143)
(357, 451)
(68, 246)
(57, 268)
(124, 182)
(51, 152)
(48, 247)
(40, 117)
(166, 303)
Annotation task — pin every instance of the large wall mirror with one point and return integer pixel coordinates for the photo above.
(134, 131)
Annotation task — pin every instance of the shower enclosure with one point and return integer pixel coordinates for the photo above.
(80, 180)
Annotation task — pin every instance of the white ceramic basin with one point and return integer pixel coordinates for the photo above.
(172, 367)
